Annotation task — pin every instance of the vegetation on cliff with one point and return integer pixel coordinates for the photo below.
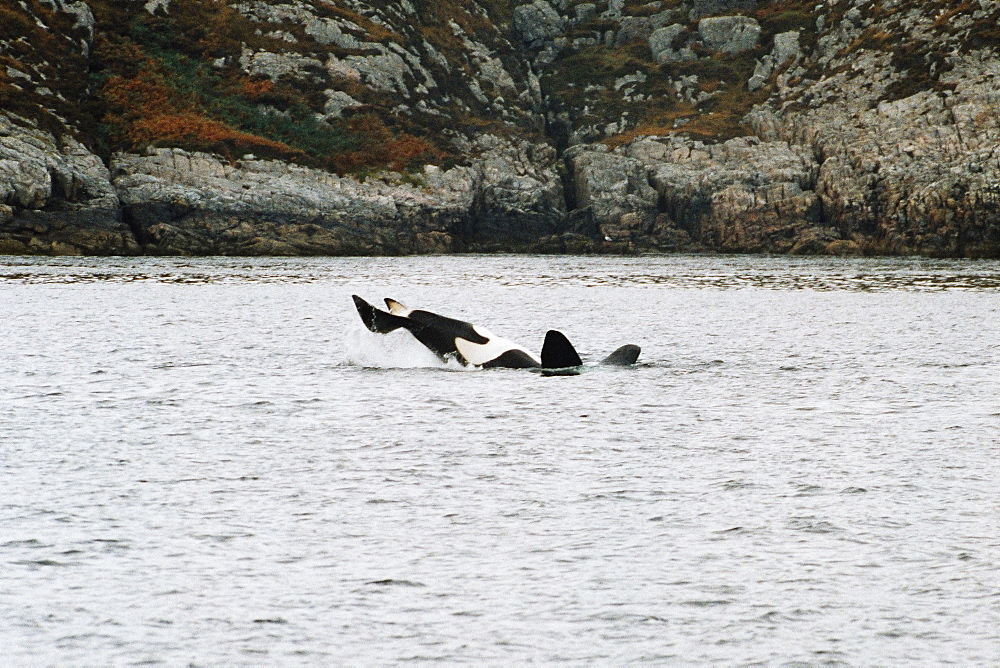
(44, 74)
(174, 80)
(176, 73)
(739, 125)
(609, 84)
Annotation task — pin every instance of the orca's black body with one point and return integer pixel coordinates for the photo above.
(475, 345)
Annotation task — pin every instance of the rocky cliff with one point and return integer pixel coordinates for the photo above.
(408, 126)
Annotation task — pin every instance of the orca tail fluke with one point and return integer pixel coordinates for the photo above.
(377, 320)
(397, 308)
(624, 356)
(558, 352)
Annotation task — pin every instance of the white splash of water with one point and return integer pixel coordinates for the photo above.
(395, 350)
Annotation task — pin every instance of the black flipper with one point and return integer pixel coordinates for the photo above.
(558, 352)
(624, 356)
(378, 320)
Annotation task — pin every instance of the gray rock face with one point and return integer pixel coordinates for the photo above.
(729, 34)
(916, 174)
(174, 202)
(615, 189)
(739, 195)
(519, 196)
(56, 199)
(661, 45)
(537, 22)
(179, 202)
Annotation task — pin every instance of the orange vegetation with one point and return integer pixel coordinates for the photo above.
(193, 130)
(378, 146)
(144, 109)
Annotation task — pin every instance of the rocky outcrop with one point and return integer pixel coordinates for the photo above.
(661, 45)
(862, 127)
(518, 196)
(62, 200)
(56, 198)
(740, 195)
(729, 34)
(178, 202)
(395, 76)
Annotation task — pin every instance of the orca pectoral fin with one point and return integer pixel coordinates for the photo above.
(377, 320)
(624, 356)
(558, 352)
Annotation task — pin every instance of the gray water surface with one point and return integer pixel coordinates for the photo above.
(210, 462)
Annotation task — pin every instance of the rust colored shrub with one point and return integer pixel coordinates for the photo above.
(133, 99)
(194, 131)
(146, 110)
(170, 79)
(254, 89)
(379, 147)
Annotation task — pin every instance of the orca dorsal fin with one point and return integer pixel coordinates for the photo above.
(558, 352)
(624, 356)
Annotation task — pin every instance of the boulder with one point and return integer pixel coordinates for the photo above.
(632, 29)
(786, 47)
(661, 45)
(585, 12)
(537, 22)
(337, 101)
(729, 34)
(761, 72)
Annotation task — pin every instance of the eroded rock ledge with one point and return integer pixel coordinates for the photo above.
(176, 202)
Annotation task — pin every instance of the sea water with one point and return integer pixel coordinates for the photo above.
(210, 461)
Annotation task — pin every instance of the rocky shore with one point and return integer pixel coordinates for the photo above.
(845, 127)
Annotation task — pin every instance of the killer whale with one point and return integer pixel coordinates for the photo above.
(475, 345)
